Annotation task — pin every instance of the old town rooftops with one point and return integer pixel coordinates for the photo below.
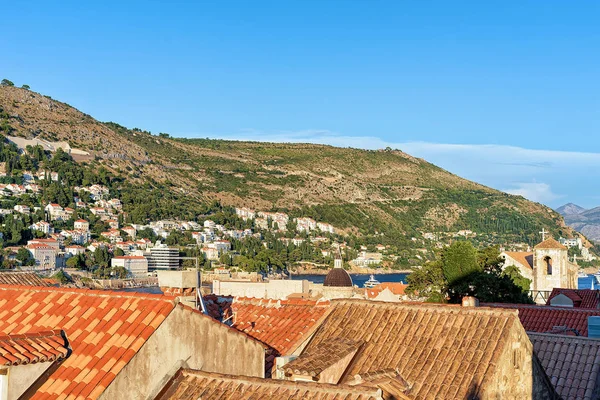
(443, 351)
(104, 329)
(21, 278)
(194, 385)
(571, 363)
(550, 319)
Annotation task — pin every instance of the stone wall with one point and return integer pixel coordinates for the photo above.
(515, 376)
(274, 289)
(186, 339)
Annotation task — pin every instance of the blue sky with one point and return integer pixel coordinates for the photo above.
(504, 93)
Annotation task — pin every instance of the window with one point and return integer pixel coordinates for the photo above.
(517, 358)
(548, 262)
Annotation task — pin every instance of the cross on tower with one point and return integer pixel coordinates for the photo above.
(543, 233)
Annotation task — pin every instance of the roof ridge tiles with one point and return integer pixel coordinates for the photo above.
(95, 292)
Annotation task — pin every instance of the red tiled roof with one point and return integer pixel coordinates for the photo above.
(550, 243)
(547, 319)
(32, 347)
(582, 298)
(105, 330)
(570, 362)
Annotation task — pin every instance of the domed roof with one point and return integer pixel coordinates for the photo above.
(338, 277)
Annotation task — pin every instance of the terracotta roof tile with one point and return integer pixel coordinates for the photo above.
(277, 323)
(582, 298)
(394, 287)
(194, 385)
(21, 278)
(523, 257)
(81, 313)
(321, 357)
(548, 319)
(550, 243)
(576, 376)
(32, 347)
(439, 350)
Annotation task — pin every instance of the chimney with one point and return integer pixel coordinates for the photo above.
(594, 327)
(470, 301)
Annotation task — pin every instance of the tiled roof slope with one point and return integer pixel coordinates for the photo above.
(582, 298)
(444, 352)
(321, 357)
(105, 330)
(550, 243)
(195, 385)
(277, 323)
(547, 319)
(525, 258)
(32, 347)
(21, 278)
(571, 363)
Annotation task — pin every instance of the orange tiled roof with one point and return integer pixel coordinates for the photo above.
(105, 330)
(32, 347)
(443, 351)
(550, 243)
(523, 257)
(394, 287)
(194, 385)
(279, 324)
(570, 362)
(21, 278)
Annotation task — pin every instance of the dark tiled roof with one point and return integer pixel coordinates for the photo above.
(105, 330)
(547, 319)
(32, 347)
(441, 351)
(321, 357)
(582, 298)
(21, 278)
(195, 385)
(550, 243)
(338, 277)
(571, 363)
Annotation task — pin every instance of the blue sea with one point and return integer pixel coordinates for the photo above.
(358, 279)
(586, 283)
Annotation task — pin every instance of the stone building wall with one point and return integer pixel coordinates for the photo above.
(186, 339)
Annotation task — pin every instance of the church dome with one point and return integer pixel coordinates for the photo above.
(338, 277)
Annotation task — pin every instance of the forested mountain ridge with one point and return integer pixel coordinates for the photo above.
(383, 196)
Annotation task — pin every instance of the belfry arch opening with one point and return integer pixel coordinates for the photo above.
(548, 262)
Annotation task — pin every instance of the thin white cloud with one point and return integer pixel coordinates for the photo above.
(534, 191)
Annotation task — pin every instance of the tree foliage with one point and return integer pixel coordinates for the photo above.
(461, 271)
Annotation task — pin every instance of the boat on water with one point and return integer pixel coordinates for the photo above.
(372, 282)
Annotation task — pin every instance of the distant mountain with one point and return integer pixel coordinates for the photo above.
(570, 209)
(582, 220)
